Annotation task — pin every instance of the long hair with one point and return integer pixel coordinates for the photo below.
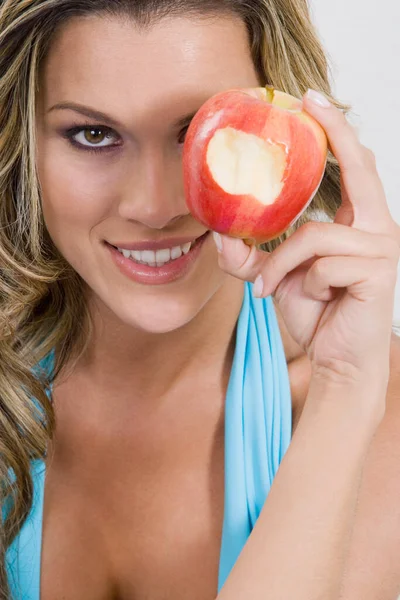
(41, 296)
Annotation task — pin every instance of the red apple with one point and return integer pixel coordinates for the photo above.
(253, 161)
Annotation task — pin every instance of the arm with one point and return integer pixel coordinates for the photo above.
(334, 284)
(300, 542)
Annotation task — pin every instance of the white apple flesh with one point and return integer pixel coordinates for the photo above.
(253, 161)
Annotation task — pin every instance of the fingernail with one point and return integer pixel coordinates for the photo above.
(218, 241)
(258, 287)
(318, 98)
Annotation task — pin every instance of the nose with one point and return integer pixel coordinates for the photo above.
(154, 194)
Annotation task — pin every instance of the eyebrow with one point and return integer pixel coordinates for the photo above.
(96, 114)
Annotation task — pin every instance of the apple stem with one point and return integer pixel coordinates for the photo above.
(270, 93)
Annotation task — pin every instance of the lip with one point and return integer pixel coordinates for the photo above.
(168, 273)
(155, 245)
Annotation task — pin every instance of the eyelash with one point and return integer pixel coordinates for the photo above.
(70, 133)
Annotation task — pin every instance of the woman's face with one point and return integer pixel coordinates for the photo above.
(119, 182)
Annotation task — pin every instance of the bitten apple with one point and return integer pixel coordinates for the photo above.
(253, 160)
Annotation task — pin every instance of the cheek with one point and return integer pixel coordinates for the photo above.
(76, 196)
(80, 195)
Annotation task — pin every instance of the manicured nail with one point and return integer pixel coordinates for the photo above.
(218, 241)
(258, 287)
(318, 99)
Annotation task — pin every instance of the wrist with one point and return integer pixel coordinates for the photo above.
(361, 402)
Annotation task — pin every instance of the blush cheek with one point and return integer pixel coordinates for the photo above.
(77, 197)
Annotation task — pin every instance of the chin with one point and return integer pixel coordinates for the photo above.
(155, 309)
(158, 313)
(157, 319)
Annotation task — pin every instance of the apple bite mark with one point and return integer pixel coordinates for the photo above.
(243, 163)
(253, 160)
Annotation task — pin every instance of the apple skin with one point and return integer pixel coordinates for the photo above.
(279, 120)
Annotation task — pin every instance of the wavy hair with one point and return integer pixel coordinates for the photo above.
(41, 296)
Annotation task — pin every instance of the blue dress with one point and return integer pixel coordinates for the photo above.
(258, 425)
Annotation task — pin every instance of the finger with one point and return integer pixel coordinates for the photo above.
(318, 239)
(357, 163)
(328, 275)
(239, 259)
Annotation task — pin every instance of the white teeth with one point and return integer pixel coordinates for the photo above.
(148, 256)
(163, 256)
(158, 258)
(176, 252)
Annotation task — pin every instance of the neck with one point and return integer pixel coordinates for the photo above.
(120, 358)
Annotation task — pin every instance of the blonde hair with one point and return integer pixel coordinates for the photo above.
(41, 306)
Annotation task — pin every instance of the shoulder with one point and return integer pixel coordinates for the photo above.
(395, 357)
(299, 368)
(291, 347)
(373, 567)
(373, 571)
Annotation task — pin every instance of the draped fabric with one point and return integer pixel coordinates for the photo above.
(258, 423)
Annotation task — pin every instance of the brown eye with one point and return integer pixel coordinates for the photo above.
(94, 136)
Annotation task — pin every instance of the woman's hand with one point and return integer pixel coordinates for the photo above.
(334, 283)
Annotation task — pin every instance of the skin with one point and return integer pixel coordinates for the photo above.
(134, 442)
(137, 194)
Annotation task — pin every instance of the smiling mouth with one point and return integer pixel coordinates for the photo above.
(160, 258)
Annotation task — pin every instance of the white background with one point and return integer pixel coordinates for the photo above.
(362, 40)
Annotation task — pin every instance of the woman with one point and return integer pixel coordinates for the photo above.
(128, 390)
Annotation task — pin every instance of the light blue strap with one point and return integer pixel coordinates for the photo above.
(258, 423)
(23, 556)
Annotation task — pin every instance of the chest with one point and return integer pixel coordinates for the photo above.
(143, 520)
(138, 516)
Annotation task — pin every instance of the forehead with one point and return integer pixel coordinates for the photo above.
(108, 62)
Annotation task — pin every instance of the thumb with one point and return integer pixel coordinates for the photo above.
(238, 258)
